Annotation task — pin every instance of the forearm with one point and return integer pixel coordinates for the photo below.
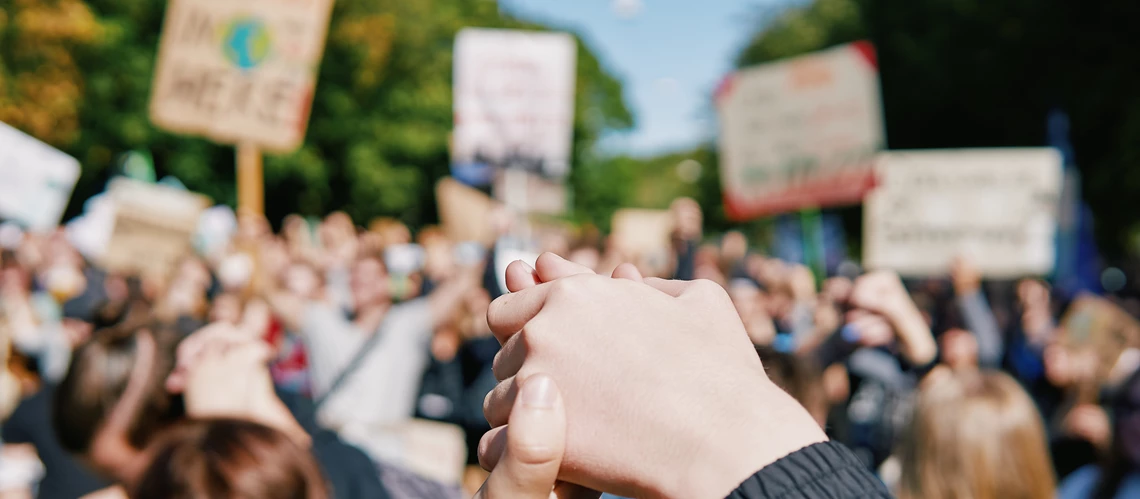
(980, 320)
(446, 299)
(916, 342)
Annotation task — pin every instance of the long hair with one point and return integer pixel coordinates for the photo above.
(975, 435)
(229, 459)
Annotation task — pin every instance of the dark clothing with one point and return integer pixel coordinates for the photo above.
(65, 477)
(350, 472)
(821, 471)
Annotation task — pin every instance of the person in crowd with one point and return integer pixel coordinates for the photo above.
(129, 385)
(228, 458)
(1118, 477)
(974, 434)
(366, 361)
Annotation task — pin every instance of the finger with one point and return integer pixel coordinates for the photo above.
(510, 358)
(509, 313)
(536, 440)
(521, 276)
(491, 447)
(499, 401)
(551, 267)
(627, 271)
(670, 287)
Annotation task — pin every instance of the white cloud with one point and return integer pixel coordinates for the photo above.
(627, 9)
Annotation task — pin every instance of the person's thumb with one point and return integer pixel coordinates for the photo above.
(536, 440)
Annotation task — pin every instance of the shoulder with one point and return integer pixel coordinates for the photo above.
(1079, 484)
(411, 311)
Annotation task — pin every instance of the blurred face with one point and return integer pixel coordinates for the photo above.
(586, 257)
(959, 349)
(301, 280)
(227, 309)
(369, 283)
(734, 247)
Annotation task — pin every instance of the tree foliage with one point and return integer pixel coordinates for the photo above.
(77, 74)
(979, 73)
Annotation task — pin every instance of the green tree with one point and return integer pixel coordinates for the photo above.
(377, 138)
(977, 73)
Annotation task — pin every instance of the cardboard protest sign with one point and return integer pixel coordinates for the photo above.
(996, 207)
(464, 212)
(239, 71)
(800, 133)
(1094, 324)
(36, 180)
(154, 226)
(514, 100)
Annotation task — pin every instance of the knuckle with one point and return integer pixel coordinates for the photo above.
(532, 452)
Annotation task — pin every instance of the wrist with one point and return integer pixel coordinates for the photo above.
(740, 441)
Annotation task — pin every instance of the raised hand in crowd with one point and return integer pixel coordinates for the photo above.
(883, 293)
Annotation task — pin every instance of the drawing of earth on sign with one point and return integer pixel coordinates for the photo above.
(246, 42)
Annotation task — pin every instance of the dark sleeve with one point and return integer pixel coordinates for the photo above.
(836, 348)
(822, 471)
(686, 261)
(31, 412)
(351, 473)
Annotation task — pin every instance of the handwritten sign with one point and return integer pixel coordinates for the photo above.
(514, 100)
(997, 207)
(35, 180)
(800, 133)
(154, 226)
(239, 71)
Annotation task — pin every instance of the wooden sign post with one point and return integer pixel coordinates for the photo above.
(251, 184)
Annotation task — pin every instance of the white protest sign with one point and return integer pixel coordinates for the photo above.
(996, 207)
(800, 133)
(35, 180)
(514, 99)
(239, 71)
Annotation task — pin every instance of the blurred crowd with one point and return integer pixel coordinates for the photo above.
(359, 358)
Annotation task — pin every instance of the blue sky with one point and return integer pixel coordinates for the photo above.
(669, 53)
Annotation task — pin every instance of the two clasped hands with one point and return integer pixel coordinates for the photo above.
(637, 387)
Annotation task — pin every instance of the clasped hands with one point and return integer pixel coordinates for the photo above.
(638, 387)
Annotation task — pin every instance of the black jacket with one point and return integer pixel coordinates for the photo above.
(822, 471)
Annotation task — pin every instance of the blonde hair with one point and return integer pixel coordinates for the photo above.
(975, 435)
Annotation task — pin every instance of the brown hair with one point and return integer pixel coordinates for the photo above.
(229, 459)
(798, 376)
(977, 435)
(97, 380)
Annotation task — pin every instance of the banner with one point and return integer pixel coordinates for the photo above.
(514, 101)
(997, 207)
(239, 71)
(800, 133)
(154, 226)
(36, 180)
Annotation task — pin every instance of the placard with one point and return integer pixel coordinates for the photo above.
(154, 226)
(997, 207)
(36, 180)
(464, 212)
(239, 71)
(514, 100)
(800, 133)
